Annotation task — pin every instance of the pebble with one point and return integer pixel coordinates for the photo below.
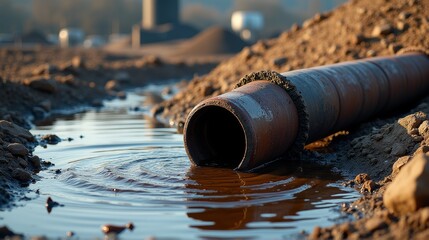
(51, 204)
(51, 139)
(361, 178)
(112, 85)
(394, 47)
(108, 228)
(17, 149)
(21, 175)
(280, 61)
(35, 161)
(401, 26)
(369, 186)
(404, 15)
(408, 192)
(42, 84)
(398, 149)
(382, 30)
(356, 39)
(424, 129)
(413, 120)
(397, 166)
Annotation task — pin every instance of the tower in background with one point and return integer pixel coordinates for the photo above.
(158, 12)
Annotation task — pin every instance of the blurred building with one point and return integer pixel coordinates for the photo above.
(160, 22)
(158, 12)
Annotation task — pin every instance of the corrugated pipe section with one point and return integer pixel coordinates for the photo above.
(271, 115)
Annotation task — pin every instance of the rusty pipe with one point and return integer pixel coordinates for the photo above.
(271, 115)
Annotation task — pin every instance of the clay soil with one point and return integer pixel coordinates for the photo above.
(38, 83)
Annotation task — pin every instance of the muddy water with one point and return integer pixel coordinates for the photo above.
(121, 167)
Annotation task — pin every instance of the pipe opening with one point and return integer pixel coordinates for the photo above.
(215, 137)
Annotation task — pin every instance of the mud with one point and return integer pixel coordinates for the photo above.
(377, 149)
(39, 83)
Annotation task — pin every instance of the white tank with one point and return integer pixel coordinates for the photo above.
(247, 20)
(70, 37)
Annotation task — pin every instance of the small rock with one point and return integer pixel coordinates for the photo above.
(333, 49)
(398, 149)
(404, 15)
(397, 166)
(21, 175)
(356, 39)
(371, 53)
(112, 85)
(280, 61)
(424, 129)
(382, 30)
(108, 228)
(51, 204)
(35, 161)
(361, 178)
(51, 139)
(377, 136)
(369, 186)
(22, 162)
(394, 47)
(42, 84)
(408, 192)
(401, 26)
(412, 121)
(17, 149)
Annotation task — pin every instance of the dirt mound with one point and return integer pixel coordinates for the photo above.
(213, 41)
(355, 30)
(167, 32)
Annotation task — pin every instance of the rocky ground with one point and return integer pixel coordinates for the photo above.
(388, 155)
(385, 158)
(39, 83)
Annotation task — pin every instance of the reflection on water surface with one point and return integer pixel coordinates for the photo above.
(127, 168)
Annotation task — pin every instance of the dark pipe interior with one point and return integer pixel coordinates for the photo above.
(215, 137)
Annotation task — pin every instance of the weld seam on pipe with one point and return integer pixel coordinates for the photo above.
(384, 102)
(303, 124)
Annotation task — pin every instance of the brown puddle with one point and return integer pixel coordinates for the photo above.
(231, 200)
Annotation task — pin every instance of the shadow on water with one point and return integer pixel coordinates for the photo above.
(228, 200)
